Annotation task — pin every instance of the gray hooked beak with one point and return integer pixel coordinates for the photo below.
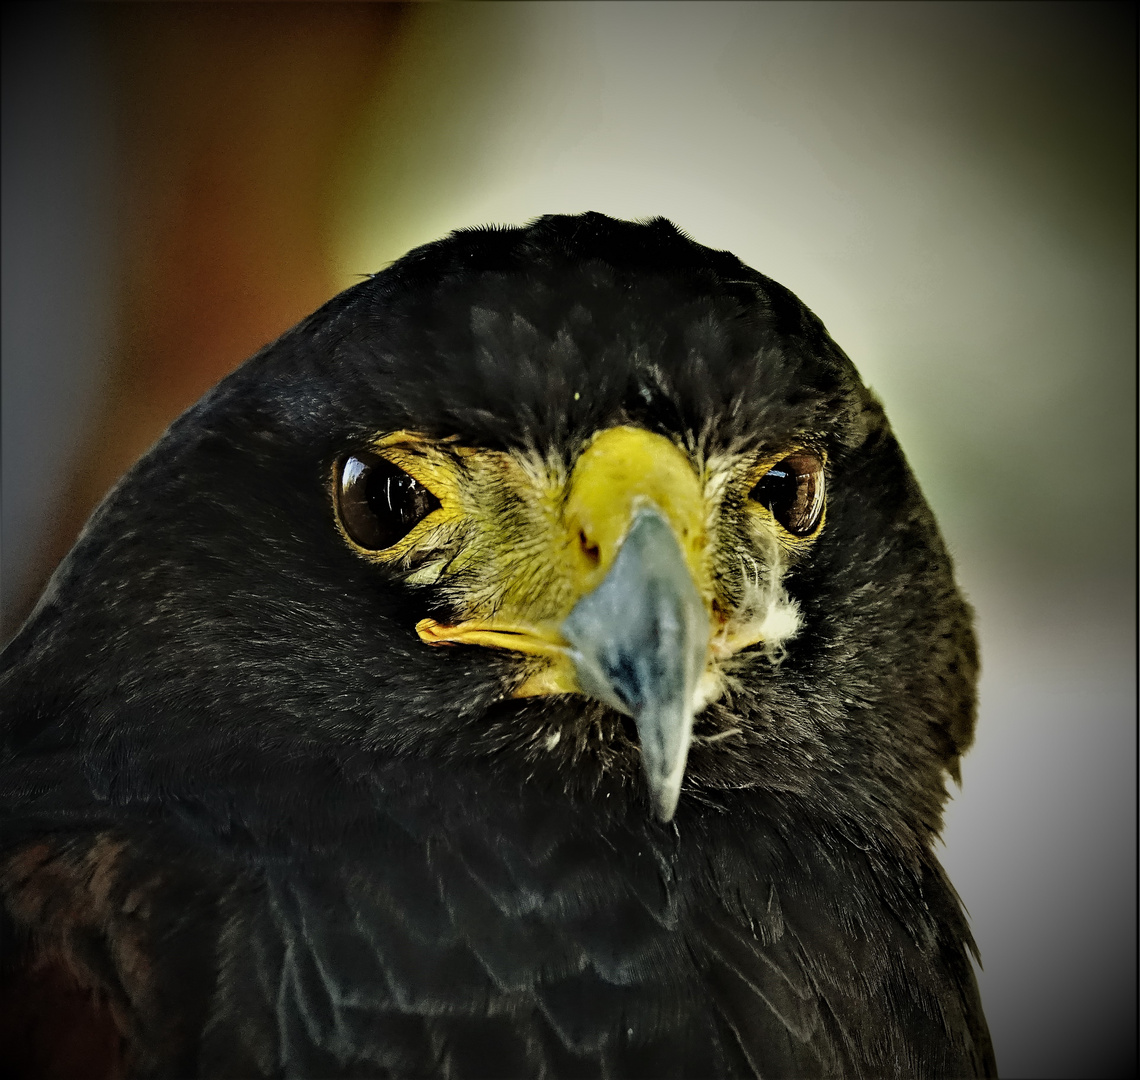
(639, 642)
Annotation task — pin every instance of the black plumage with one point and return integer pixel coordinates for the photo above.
(256, 825)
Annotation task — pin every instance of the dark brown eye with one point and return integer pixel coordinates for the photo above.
(379, 503)
(793, 490)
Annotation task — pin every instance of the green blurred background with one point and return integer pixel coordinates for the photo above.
(951, 187)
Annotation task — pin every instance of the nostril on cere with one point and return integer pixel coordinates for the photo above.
(588, 549)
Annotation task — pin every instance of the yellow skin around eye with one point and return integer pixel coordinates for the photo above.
(517, 541)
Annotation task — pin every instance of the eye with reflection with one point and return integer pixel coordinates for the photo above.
(379, 503)
(793, 491)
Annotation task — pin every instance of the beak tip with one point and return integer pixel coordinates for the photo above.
(664, 794)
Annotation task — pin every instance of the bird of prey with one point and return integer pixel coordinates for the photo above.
(539, 662)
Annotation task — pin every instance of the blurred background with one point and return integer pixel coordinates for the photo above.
(951, 187)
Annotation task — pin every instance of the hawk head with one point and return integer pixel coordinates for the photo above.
(581, 504)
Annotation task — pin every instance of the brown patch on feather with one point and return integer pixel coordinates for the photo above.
(72, 1003)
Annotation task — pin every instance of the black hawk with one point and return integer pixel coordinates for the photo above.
(540, 662)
